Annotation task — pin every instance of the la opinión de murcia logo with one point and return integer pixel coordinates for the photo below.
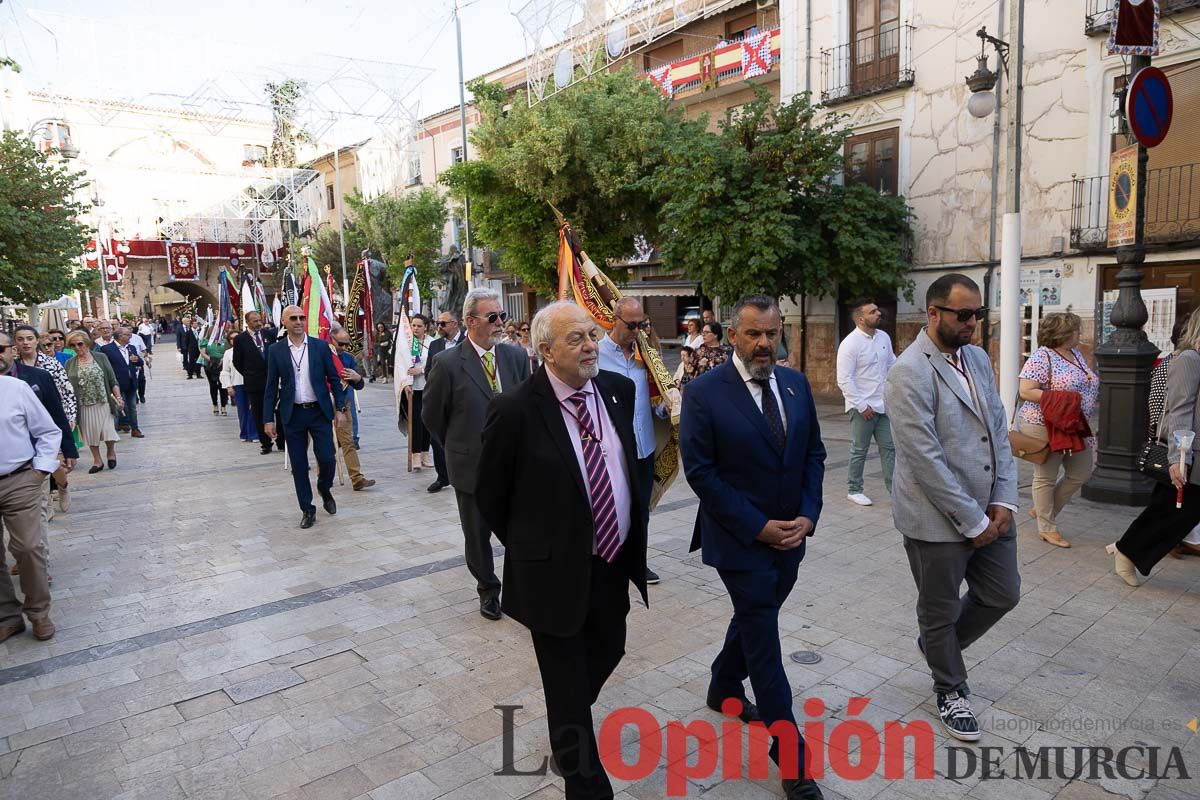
(742, 751)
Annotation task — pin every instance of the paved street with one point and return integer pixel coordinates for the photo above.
(209, 648)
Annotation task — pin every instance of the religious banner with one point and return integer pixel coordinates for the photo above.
(115, 266)
(708, 71)
(1134, 28)
(661, 78)
(1122, 197)
(756, 55)
(182, 263)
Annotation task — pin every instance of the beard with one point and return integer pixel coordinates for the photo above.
(589, 371)
(758, 372)
(954, 338)
(495, 338)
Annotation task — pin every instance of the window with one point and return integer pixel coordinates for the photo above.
(330, 199)
(253, 154)
(738, 29)
(661, 56)
(456, 155)
(871, 159)
(874, 41)
(414, 170)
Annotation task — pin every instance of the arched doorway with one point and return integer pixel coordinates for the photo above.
(178, 293)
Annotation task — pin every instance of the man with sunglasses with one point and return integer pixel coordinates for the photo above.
(449, 335)
(617, 355)
(460, 384)
(955, 491)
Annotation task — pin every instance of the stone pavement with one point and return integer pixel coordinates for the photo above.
(209, 648)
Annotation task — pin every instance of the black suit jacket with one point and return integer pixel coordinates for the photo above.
(439, 345)
(191, 345)
(42, 383)
(125, 372)
(251, 364)
(531, 491)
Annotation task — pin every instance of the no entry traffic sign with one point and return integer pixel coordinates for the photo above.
(1149, 106)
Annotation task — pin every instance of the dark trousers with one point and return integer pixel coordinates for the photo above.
(190, 364)
(574, 669)
(420, 436)
(950, 623)
(752, 647)
(1161, 526)
(215, 392)
(478, 538)
(439, 462)
(128, 415)
(307, 422)
(141, 383)
(254, 398)
(246, 430)
(645, 478)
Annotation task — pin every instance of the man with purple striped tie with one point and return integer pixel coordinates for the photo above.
(557, 484)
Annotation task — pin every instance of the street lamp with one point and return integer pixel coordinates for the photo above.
(982, 103)
(57, 133)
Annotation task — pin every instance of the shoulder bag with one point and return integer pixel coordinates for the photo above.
(1024, 446)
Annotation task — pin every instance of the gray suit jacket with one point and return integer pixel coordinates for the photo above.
(951, 462)
(1182, 407)
(454, 404)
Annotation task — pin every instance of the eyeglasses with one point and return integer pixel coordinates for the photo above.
(492, 318)
(964, 314)
(524, 329)
(443, 323)
(644, 325)
(56, 338)
(295, 317)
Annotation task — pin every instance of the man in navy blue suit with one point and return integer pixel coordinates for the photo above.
(300, 376)
(752, 452)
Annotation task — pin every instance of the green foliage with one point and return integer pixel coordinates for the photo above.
(589, 151)
(40, 235)
(394, 227)
(326, 247)
(284, 99)
(752, 209)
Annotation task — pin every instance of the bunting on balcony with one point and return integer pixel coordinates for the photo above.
(1134, 28)
(661, 78)
(756, 55)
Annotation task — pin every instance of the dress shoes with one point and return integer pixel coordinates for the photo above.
(309, 518)
(1185, 549)
(43, 628)
(137, 434)
(92, 470)
(327, 502)
(490, 609)
(436, 487)
(266, 449)
(802, 789)
(749, 710)
(112, 463)
(11, 629)
(366, 483)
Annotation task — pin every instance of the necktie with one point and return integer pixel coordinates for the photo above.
(604, 507)
(770, 409)
(258, 341)
(489, 369)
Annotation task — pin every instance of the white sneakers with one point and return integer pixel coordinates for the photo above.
(859, 498)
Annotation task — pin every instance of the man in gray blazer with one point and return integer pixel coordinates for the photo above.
(955, 490)
(460, 383)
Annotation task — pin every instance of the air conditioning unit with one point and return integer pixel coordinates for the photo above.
(763, 5)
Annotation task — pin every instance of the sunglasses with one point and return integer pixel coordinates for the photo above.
(56, 338)
(494, 317)
(644, 325)
(442, 323)
(964, 314)
(294, 317)
(524, 329)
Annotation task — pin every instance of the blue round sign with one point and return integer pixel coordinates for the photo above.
(1149, 106)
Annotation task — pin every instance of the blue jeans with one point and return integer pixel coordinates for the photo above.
(128, 416)
(861, 431)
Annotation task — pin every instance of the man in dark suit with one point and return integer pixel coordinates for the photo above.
(752, 452)
(250, 360)
(191, 347)
(460, 384)
(558, 484)
(123, 355)
(300, 375)
(449, 335)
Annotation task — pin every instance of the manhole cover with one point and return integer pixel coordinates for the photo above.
(805, 657)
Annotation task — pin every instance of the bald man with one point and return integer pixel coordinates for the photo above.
(300, 377)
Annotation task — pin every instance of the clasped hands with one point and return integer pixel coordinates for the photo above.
(785, 534)
(999, 523)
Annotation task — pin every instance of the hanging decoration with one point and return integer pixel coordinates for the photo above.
(1134, 28)
(182, 261)
(661, 78)
(756, 55)
(359, 323)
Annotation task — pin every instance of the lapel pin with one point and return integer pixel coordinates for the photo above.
(614, 397)
(790, 392)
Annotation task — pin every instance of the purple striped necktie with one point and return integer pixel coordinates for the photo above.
(604, 506)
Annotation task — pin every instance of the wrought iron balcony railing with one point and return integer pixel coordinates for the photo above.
(1172, 208)
(868, 65)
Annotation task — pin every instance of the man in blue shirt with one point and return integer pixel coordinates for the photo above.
(617, 355)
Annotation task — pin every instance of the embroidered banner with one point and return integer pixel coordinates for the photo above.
(756, 55)
(182, 264)
(1134, 28)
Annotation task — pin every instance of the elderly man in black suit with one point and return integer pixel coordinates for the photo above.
(449, 335)
(250, 359)
(558, 484)
(190, 347)
(460, 384)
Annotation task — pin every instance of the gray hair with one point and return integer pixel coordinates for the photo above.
(541, 329)
(122, 331)
(760, 302)
(476, 296)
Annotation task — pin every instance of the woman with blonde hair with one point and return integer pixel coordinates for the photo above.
(98, 397)
(1057, 366)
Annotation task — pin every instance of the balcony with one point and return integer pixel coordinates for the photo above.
(1172, 208)
(731, 64)
(1097, 16)
(869, 65)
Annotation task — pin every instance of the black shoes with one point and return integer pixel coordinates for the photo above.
(802, 789)
(265, 449)
(749, 710)
(328, 503)
(95, 468)
(490, 609)
(957, 717)
(309, 518)
(112, 463)
(652, 577)
(436, 487)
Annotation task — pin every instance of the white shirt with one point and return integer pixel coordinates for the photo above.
(863, 362)
(756, 390)
(614, 457)
(299, 356)
(495, 361)
(418, 384)
(25, 419)
(138, 342)
(124, 348)
(695, 341)
(229, 375)
(145, 329)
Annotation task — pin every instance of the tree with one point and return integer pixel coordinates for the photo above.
(326, 246)
(40, 235)
(589, 151)
(284, 98)
(754, 209)
(395, 227)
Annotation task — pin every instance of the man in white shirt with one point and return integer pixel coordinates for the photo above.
(863, 361)
(29, 444)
